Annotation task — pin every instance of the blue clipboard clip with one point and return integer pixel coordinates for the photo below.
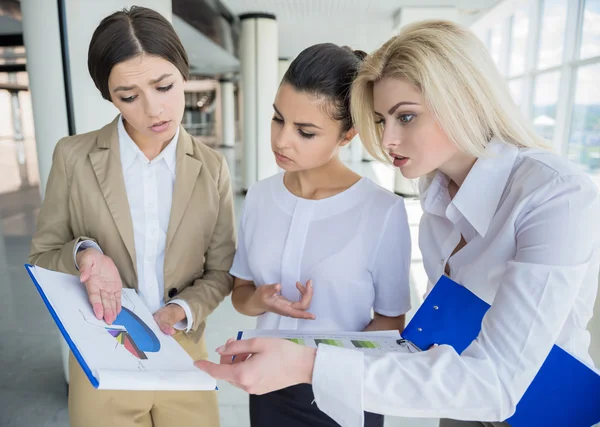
(411, 346)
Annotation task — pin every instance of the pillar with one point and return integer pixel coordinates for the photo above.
(259, 72)
(227, 112)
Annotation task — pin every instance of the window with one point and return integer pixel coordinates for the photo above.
(515, 87)
(518, 42)
(552, 37)
(590, 36)
(545, 103)
(584, 140)
(495, 45)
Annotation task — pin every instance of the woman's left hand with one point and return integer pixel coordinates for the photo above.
(262, 365)
(169, 315)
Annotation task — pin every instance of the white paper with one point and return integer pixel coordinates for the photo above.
(369, 342)
(141, 358)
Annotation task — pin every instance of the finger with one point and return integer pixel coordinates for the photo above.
(166, 328)
(304, 303)
(300, 314)
(270, 290)
(118, 298)
(85, 273)
(95, 300)
(433, 346)
(240, 347)
(226, 372)
(108, 313)
(113, 306)
(300, 288)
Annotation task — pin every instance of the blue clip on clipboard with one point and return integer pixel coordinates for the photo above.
(565, 392)
(63, 331)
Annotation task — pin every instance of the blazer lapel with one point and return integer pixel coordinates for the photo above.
(187, 170)
(106, 162)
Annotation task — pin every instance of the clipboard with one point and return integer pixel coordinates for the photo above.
(565, 392)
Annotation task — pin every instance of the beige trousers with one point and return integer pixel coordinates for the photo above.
(89, 407)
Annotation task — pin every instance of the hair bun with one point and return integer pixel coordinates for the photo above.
(360, 54)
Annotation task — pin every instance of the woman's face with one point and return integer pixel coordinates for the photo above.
(148, 91)
(303, 136)
(411, 135)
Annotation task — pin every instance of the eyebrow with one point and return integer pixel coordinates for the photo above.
(154, 81)
(395, 107)
(300, 124)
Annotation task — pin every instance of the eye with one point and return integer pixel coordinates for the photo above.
(165, 88)
(277, 119)
(305, 135)
(129, 99)
(406, 118)
(379, 121)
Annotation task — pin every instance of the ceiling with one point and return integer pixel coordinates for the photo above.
(360, 24)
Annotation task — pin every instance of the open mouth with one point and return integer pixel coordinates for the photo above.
(399, 160)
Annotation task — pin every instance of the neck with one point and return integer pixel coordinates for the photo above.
(324, 181)
(458, 167)
(149, 147)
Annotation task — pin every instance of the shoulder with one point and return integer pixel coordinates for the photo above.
(380, 199)
(74, 148)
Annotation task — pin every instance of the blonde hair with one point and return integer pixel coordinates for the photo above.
(463, 89)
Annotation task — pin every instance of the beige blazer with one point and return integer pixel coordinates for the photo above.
(86, 199)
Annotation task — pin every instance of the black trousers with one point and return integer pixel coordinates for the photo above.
(293, 407)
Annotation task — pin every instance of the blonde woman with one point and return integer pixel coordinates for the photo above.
(503, 215)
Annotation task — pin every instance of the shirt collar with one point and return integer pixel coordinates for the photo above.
(479, 195)
(130, 151)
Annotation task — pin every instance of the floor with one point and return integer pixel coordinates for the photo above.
(33, 390)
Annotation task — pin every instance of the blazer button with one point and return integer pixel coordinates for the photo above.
(172, 292)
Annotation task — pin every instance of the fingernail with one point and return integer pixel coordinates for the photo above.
(435, 345)
(220, 349)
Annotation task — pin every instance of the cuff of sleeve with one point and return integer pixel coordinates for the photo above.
(84, 244)
(240, 275)
(186, 324)
(338, 386)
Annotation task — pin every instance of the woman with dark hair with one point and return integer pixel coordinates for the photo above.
(141, 204)
(319, 246)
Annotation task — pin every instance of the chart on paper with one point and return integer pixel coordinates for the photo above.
(371, 342)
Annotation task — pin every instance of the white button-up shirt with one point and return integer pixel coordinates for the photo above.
(149, 186)
(531, 221)
(354, 246)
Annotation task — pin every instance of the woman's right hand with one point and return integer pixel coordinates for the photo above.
(269, 298)
(102, 282)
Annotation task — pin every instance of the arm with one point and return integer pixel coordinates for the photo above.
(206, 293)
(53, 245)
(390, 271)
(385, 323)
(242, 297)
(487, 381)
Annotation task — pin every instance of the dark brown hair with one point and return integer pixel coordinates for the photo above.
(327, 70)
(127, 34)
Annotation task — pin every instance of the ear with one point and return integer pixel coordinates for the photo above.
(348, 136)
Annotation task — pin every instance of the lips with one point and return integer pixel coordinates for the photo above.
(399, 160)
(160, 126)
(281, 157)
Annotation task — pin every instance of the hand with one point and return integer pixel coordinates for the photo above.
(262, 365)
(168, 316)
(268, 298)
(102, 282)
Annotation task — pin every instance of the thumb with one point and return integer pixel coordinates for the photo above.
(273, 289)
(236, 347)
(85, 273)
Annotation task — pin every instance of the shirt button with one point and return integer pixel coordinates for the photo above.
(172, 292)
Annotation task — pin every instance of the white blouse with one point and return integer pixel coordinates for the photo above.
(531, 221)
(354, 246)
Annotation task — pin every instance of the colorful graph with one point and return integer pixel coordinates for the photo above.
(336, 343)
(296, 340)
(365, 344)
(135, 335)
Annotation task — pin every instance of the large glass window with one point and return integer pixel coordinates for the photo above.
(584, 141)
(515, 86)
(496, 43)
(518, 42)
(545, 102)
(590, 35)
(552, 37)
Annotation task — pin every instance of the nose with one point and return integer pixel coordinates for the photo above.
(390, 139)
(152, 107)
(279, 137)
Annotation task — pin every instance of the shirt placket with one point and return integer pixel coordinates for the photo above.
(151, 232)
(291, 260)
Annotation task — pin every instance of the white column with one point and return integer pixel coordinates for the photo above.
(284, 64)
(41, 34)
(227, 113)
(260, 72)
(50, 34)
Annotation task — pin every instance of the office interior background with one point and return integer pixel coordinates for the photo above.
(548, 51)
